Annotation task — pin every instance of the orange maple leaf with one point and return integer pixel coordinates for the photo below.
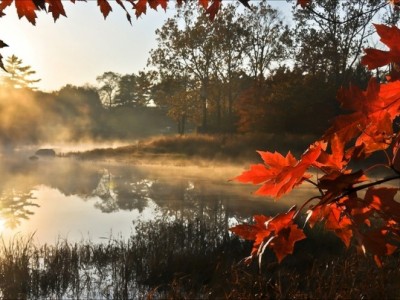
(375, 58)
(336, 160)
(373, 113)
(280, 174)
(278, 233)
(257, 232)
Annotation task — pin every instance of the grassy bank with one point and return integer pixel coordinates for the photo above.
(186, 260)
(212, 148)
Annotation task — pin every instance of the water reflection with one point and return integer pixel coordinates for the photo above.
(119, 192)
(125, 191)
(15, 206)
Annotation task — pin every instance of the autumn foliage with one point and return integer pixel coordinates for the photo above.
(356, 207)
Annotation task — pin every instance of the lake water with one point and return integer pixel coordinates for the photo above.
(74, 199)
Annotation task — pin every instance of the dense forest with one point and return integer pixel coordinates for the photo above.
(251, 71)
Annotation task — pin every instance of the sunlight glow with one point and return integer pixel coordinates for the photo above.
(2, 225)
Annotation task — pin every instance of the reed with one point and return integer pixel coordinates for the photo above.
(188, 259)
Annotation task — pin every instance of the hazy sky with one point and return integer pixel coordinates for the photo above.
(82, 46)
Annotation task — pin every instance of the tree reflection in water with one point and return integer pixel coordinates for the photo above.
(15, 206)
(178, 193)
(190, 242)
(119, 193)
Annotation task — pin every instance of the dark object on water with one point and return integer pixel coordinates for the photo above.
(33, 157)
(46, 152)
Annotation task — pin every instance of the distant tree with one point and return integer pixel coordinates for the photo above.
(19, 75)
(80, 111)
(179, 95)
(134, 89)
(286, 102)
(126, 90)
(108, 88)
(266, 39)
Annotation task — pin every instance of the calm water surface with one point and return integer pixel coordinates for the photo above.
(68, 198)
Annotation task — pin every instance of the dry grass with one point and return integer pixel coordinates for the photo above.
(236, 149)
(189, 259)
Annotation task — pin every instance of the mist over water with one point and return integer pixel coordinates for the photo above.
(71, 115)
(64, 197)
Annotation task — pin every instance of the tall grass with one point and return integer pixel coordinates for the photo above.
(224, 148)
(184, 259)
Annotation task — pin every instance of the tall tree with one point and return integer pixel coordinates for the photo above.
(19, 75)
(109, 88)
(266, 39)
(229, 35)
(185, 45)
(330, 36)
(179, 95)
(134, 89)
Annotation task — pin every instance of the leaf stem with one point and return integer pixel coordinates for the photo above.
(365, 186)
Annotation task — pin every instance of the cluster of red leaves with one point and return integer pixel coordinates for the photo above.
(372, 221)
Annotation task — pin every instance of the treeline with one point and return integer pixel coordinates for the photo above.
(247, 71)
(69, 115)
(252, 70)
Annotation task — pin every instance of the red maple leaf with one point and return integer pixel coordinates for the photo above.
(378, 133)
(203, 3)
(213, 9)
(338, 183)
(155, 3)
(2, 45)
(375, 58)
(371, 120)
(105, 7)
(382, 200)
(376, 242)
(257, 232)
(303, 3)
(56, 8)
(396, 154)
(26, 9)
(4, 4)
(335, 220)
(283, 244)
(334, 161)
(140, 7)
(278, 233)
(280, 174)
